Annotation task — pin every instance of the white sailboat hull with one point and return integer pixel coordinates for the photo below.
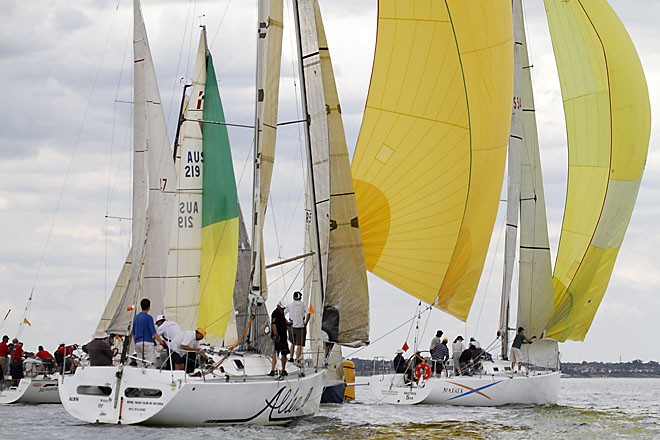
(484, 390)
(180, 400)
(32, 390)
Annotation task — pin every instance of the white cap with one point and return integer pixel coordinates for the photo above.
(282, 304)
(160, 317)
(99, 334)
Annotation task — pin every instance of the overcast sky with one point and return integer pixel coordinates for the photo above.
(65, 169)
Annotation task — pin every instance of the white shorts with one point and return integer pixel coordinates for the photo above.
(516, 355)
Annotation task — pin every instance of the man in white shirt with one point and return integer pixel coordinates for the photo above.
(186, 346)
(168, 330)
(299, 317)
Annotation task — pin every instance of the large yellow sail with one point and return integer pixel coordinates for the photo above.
(429, 162)
(608, 123)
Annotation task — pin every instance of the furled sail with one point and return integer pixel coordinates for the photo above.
(607, 111)
(154, 182)
(337, 241)
(429, 163)
(269, 59)
(204, 251)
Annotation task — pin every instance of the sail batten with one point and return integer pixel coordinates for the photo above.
(430, 156)
(338, 279)
(154, 180)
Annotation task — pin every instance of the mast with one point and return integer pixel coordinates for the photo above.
(269, 57)
(513, 181)
(256, 295)
(308, 144)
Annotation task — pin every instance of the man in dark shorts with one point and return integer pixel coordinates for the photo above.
(299, 316)
(278, 334)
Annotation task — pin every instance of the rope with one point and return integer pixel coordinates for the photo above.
(428, 307)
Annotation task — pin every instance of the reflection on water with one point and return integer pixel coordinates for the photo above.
(445, 429)
(587, 409)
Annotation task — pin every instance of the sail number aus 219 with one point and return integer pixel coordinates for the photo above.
(193, 169)
(186, 212)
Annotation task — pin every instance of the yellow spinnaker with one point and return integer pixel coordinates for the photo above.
(429, 162)
(608, 123)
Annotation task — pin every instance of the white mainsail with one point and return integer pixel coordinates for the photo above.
(525, 192)
(182, 293)
(154, 180)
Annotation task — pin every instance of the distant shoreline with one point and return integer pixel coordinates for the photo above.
(569, 370)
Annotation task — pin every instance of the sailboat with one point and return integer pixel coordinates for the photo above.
(430, 162)
(41, 388)
(195, 279)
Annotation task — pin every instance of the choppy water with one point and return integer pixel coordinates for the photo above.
(587, 409)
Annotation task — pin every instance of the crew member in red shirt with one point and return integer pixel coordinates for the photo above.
(46, 358)
(63, 356)
(4, 352)
(43, 354)
(17, 362)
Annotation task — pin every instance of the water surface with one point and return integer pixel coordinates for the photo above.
(587, 409)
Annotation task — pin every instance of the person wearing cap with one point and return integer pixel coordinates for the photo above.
(278, 334)
(439, 354)
(185, 349)
(299, 316)
(436, 340)
(399, 362)
(144, 332)
(167, 330)
(100, 353)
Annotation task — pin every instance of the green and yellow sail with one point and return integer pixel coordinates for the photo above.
(219, 215)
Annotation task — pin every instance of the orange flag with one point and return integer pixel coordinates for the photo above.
(25, 321)
(311, 309)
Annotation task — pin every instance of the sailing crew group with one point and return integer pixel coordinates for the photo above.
(464, 360)
(17, 363)
(299, 316)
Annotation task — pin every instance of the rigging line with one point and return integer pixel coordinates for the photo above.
(371, 343)
(428, 317)
(113, 185)
(300, 266)
(490, 272)
(245, 164)
(300, 127)
(419, 304)
(177, 79)
(68, 170)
